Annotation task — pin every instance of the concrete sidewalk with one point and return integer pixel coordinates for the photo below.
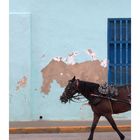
(42, 126)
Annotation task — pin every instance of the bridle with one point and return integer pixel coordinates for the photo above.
(73, 94)
(78, 96)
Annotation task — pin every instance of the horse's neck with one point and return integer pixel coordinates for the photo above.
(81, 87)
(87, 88)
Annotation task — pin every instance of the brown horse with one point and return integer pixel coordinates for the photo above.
(101, 105)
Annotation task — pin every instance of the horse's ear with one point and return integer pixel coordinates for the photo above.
(73, 79)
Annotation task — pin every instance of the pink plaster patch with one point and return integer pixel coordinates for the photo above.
(21, 83)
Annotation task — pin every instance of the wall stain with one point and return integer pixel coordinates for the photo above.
(44, 55)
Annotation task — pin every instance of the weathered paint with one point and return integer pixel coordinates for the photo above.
(41, 31)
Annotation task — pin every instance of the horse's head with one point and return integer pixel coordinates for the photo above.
(70, 91)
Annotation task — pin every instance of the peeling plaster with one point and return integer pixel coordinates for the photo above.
(62, 72)
(21, 83)
(70, 60)
(91, 53)
(104, 63)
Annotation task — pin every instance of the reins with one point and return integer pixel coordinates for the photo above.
(77, 97)
(112, 99)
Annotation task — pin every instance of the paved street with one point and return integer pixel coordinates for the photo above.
(69, 136)
(44, 123)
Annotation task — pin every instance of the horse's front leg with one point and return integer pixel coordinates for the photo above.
(113, 124)
(94, 124)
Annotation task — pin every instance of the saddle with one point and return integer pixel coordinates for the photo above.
(108, 90)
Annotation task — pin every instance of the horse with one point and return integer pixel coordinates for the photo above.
(100, 105)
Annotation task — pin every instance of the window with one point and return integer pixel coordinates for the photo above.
(119, 51)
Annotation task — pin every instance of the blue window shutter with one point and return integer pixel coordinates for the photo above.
(119, 51)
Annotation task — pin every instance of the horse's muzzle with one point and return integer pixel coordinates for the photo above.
(63, 99)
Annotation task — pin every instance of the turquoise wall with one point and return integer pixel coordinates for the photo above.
(43, 29)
